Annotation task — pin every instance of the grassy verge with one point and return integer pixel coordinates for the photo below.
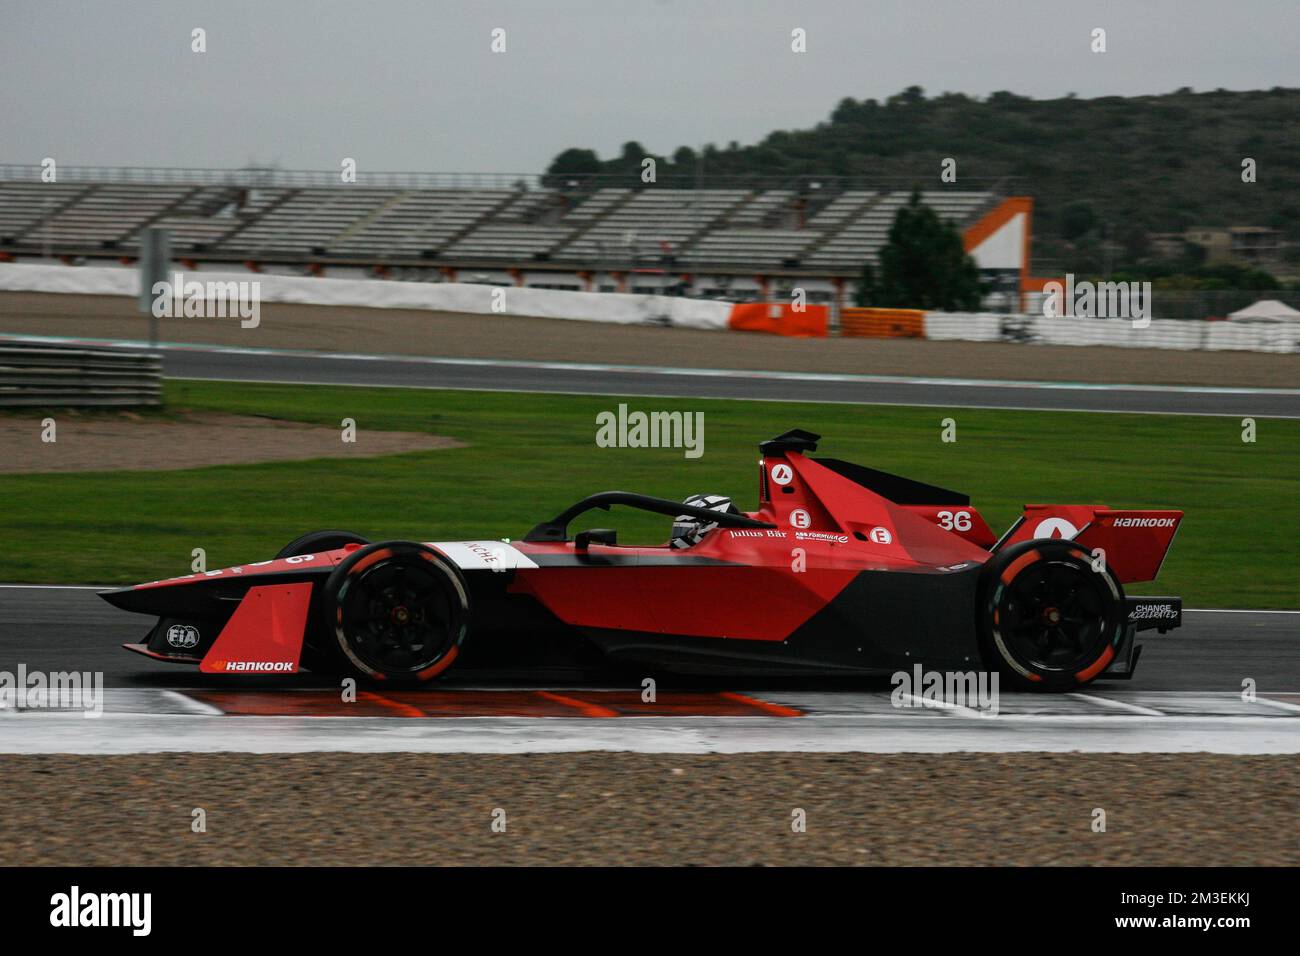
(528, 455)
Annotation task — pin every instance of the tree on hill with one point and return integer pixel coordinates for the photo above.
(571, 163)
(922, 266)
(1158, 163)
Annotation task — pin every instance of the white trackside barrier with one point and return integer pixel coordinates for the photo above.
(630, 309)
(1176, 334)
(73, 280)
(1120, 333)
(963, 326)
(389, 294)
(1254, 336)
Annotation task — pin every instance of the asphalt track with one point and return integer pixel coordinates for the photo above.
(1186, 697)
(331, 368)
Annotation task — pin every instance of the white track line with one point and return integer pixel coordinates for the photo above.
(1119, 705)
(943, 705)
(109, 587)
(129, 733)
(776, 374)
(192, 706)
(1279, 704)
(1234, 610)
(628, 393)
(59, 587)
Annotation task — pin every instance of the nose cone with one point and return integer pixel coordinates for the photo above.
(128, 598)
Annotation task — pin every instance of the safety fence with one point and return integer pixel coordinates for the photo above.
(57, 375)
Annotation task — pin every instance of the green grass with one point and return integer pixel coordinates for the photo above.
(528, 455)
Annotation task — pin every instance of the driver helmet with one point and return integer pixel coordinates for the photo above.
(689, 530)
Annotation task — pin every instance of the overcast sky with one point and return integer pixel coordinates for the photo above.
(411, 85)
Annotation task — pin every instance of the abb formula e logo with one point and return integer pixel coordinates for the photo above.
(182, 635)
(1145, 522)
(253, 667)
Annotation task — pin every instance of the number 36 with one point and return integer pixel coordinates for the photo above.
(954, 522)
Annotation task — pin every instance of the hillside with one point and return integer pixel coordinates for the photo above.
(1120, 167)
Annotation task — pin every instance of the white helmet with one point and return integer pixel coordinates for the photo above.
(689, 530)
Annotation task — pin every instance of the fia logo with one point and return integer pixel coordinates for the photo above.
(182, 635)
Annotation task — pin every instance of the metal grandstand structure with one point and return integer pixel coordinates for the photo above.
(494, 226)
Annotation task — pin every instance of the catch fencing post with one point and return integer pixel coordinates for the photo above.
(155, 260)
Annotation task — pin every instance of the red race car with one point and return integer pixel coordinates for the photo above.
(842, 569)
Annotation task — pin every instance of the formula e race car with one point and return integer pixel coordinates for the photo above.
(842, 569)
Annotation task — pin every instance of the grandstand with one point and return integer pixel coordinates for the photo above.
(588, 234)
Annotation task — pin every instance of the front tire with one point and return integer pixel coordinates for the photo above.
(396, 612)
(1047, 620)
(315, 542)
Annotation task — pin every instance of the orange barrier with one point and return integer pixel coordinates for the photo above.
(883, 323)
(780, 319)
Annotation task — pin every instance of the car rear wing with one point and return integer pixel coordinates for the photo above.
(1133, 544)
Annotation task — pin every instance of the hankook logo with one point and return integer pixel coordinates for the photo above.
(1144, 522)
(257, 667)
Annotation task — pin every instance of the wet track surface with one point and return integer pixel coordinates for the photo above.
(1186, 698)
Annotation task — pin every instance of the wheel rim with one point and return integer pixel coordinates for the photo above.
(1052, 616)
(398, 616)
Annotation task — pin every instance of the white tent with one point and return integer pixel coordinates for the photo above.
(1265, 310)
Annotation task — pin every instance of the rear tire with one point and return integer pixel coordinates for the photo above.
(1047, 620)
(396, 612)
(315, 542)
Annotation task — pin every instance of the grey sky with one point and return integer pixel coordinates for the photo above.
(408, 85)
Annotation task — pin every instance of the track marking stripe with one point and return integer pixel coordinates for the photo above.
(397, 707)
(779, 374)
(776, 710)
(60, 587)
(787, 399)
(1119, 705)
(1117, 733)
(1279, 704)
(1235, 610)
(587, 709)
(942, 705)
(192, 706)
(109, 587)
